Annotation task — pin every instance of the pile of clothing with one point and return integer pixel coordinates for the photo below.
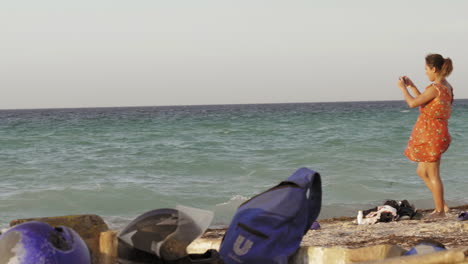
(391, 210)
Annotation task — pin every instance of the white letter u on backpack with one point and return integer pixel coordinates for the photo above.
(240, 249)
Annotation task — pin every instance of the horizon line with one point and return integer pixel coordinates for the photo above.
(184, 105)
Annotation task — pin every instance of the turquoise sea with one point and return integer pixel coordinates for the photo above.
(121, 162)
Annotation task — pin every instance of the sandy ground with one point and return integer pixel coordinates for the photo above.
(343, 232)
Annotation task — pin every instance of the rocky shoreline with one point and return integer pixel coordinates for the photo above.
(343, 232)
(339, 239)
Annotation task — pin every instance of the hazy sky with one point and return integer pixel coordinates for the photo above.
(99, 53)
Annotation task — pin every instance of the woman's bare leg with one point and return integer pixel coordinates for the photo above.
(437, 188)
(422, 172)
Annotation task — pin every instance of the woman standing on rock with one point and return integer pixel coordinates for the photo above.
(430, 137)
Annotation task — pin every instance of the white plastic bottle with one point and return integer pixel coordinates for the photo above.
(359, 217)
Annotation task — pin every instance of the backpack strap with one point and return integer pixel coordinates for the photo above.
(302, 177)
(310, 180)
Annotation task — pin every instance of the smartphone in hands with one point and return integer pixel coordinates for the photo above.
(403, 79)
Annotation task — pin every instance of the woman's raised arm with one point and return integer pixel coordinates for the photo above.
(420, 99)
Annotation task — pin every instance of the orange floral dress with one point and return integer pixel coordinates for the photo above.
(430, 137)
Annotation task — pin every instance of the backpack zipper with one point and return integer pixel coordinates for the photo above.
(252, 231)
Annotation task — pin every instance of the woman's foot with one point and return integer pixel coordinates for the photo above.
(446, 209)
(435, 215)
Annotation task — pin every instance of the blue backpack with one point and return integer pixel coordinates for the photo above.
(269, 227)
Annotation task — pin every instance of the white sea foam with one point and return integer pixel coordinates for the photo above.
(234, 200)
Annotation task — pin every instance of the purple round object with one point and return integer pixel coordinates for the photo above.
(37, 242)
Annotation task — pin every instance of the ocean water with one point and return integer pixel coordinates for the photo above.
(121, 162)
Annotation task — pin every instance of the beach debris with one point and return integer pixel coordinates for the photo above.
(390, 211)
